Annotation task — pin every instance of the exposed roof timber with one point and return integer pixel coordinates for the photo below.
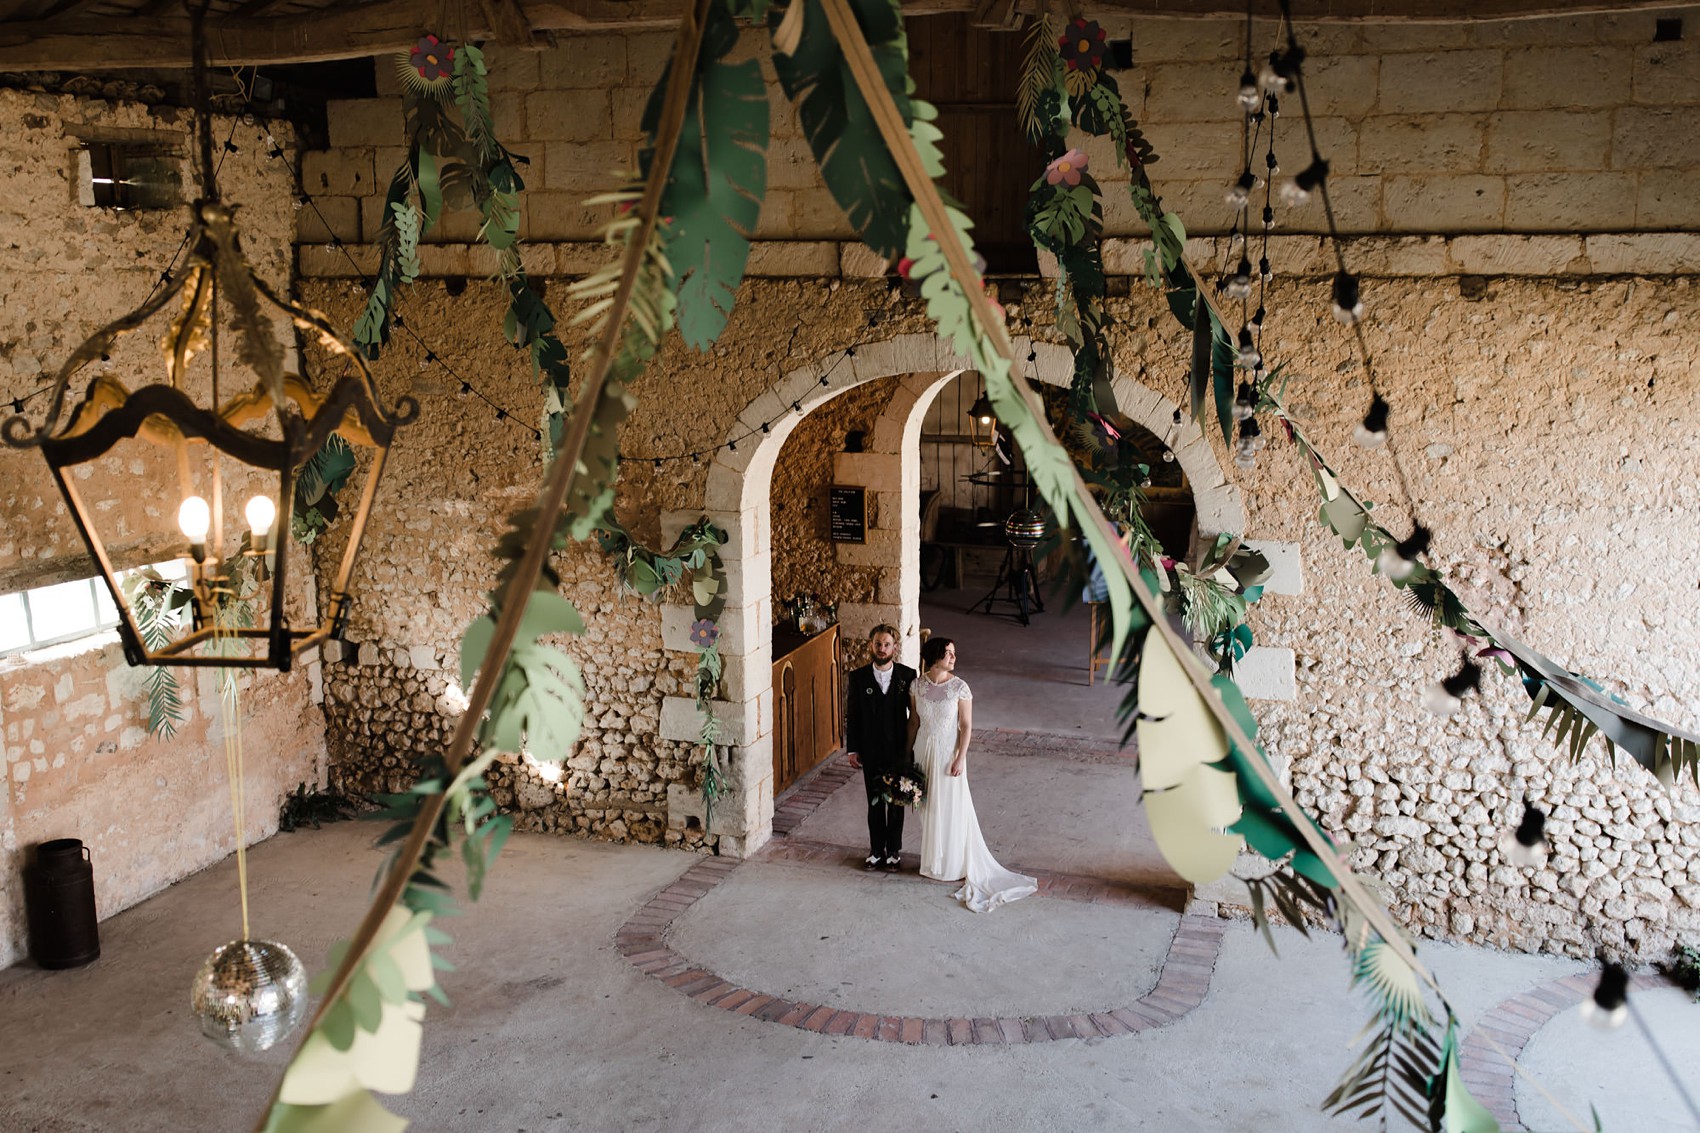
(346, 31)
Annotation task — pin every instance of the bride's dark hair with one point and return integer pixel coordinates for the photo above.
(932, 651)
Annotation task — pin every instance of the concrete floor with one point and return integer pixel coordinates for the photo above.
(552, 1027)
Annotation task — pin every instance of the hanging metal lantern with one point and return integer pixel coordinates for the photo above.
(983, 421)
(245, 447)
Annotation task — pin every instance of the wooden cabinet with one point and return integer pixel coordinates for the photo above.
(808, 704)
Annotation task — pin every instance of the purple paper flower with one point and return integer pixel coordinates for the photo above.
(1066, 169)
(433, 60)
(1082, 44)
(704, 633)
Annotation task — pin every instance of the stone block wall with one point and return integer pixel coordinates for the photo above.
(1544, 125)
(78, 760)
(805, 559)
(1529, 292)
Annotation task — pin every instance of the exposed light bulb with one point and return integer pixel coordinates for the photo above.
(1249, 94)
(1439, 702)
(1240, 283)
(1240, 194)
(1245, 402)
(1264, 271)
(1348, 302)
(1399, 560)
(1271, 76)
(194, 517)
(1527, 844)
(1443, 698)
(260, 512)
(1268, 218)
(1247, 356)
(1251, 440)
(1608, 1007)
(1297, 191)
(1372, 430)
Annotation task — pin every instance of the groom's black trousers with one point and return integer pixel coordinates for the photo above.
(885, 820)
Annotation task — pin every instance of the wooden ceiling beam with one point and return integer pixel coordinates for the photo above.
(347, 31)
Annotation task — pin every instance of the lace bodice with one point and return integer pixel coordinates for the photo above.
(935, 706)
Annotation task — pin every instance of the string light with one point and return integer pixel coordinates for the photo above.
(1527, 844)
(1607, 1008)
(1443, 698)
(1372, 431)
(1398, 560)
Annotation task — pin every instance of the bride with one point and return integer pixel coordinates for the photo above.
(952, 848)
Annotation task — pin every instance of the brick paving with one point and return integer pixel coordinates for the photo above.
(1182, 985)
(1509, 1026)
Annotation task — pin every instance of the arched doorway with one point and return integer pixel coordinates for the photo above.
(738, 496)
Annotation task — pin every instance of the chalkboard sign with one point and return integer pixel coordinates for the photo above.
(847, 511)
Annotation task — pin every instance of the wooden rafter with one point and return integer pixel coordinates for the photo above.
(347, 30)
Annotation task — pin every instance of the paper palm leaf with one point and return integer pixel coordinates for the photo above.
(539, 703)
(1188, 801)
(715, 187)
(1393, 1071)
(854, 161)
(1393, 985)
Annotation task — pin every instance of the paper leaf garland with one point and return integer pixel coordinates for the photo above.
(1577, 707)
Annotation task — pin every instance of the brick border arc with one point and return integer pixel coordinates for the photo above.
(1511, 1023)
(1182, 985)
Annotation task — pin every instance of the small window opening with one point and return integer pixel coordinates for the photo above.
(127, 177)
(1667, 30)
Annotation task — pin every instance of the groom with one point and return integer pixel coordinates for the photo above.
(876, 724)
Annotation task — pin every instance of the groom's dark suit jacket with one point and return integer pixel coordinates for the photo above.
(876, 724)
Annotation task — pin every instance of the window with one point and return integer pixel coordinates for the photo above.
(64, 611)
(124, 176)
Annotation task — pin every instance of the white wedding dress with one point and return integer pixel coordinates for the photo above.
(952, 848)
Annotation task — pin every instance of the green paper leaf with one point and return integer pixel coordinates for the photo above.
(840, 128)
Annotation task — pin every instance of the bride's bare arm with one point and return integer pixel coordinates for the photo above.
(914, 724)
(964, 730)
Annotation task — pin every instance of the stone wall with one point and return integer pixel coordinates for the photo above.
(78, 759)
(1569, 124)
(805, 559)
(1531, 340)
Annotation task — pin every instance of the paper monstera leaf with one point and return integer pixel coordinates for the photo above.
(1187, 800)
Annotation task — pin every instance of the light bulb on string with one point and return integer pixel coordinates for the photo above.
(1608, 1007)
(1268, 218)
(1297, 191)
(1239, 284)
(1251, 439)
(1526, 845)
(1245, 402)
(1445, 697)
(1348, 300)
(1239, 194)
(1274, 165)
(1372, 430)
(1247, 356)
(1398, 560)
(1272, 77)
(1249, 94)
(1273, 105)
(1264, 271)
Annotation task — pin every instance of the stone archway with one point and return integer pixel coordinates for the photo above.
(736, 498)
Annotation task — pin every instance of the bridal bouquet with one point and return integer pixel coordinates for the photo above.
(907, 787)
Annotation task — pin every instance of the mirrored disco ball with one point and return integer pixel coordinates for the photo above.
(1024, 528)
(250, 994)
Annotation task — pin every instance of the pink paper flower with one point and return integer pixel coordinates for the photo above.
(1066, 168)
